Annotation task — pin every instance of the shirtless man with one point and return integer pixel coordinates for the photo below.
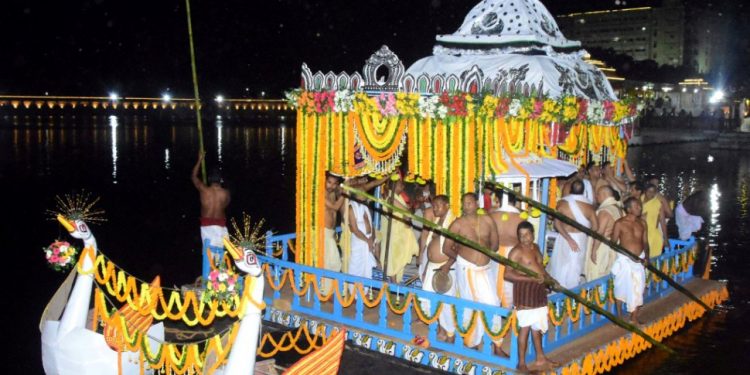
(530, 297)
(630, 276)
(568, 256)
(214, 201)
(334, 202)
(506, 219)
(597, 180)
(608, 175)
(441, 215)
(473, 268)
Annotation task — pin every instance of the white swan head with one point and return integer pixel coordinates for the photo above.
(77, 228)
(244, 258)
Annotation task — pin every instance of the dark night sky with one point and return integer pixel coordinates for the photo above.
(140, 48)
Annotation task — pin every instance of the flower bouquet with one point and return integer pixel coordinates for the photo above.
(60, 255)
(221, 286)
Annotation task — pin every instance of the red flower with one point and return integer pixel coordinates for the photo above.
(583, 107)
(502, 107)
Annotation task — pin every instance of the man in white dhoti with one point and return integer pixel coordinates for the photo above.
(441, 215)
(214, 201)
(506, 219)
(630, 276)
(566, 263)
(363, 240)
(599, 260)
(474, 273)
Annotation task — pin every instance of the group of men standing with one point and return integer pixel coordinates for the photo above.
(591, 198)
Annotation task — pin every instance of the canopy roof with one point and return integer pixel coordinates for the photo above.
(515, 43)
(539, 168)
(504, 22)
(553, 74)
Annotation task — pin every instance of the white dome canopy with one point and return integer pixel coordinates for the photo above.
(503, 22)
(515, 44)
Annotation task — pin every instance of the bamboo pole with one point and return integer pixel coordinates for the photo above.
(388, 235)
(614, 246)
(195, 90)
(553, 284)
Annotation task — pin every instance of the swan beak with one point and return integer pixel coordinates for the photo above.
(69, 225)
(233, 250)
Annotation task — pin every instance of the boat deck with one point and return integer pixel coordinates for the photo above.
(655, 314)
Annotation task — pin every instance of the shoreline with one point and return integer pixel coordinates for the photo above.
(672, 136)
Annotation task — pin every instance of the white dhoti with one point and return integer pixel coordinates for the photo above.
(214, 234)
(534, 318)
(629, 281)
(331, 259)
(361, 259)
(566, 265)
(476, 283)
(446, 314)
(503, 288)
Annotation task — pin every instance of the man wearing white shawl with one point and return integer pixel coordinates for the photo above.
(566, 263)
(599, 260)
(363, 240)
(432, 259)
(630, 276)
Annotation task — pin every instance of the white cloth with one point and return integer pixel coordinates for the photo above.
(476, 283)
(362, 261)
(446, 314)
(424, 258)
(629, 281)
(416, 226)
(578, 215)
(687, 224)
(588, 191)
(534, 318)
(215, 234)
(566, 265)
(331, 259)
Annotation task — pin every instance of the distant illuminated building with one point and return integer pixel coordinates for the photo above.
(644, 33)
(673, 34)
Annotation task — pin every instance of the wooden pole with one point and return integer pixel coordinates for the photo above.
(614, 246)
(520, 268)
(195, 90)
(391, 186)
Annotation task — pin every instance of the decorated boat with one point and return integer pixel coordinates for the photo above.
(506, 101)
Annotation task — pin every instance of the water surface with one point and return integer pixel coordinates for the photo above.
(140, 168)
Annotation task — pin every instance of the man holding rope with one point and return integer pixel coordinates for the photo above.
(214, 202)
(530, 296)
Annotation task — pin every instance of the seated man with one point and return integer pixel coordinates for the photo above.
(529, 296)
(630, 276)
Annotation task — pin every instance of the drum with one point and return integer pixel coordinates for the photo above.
(442, 282)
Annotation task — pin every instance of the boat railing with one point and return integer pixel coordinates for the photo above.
(397, 308)
(389, 309)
